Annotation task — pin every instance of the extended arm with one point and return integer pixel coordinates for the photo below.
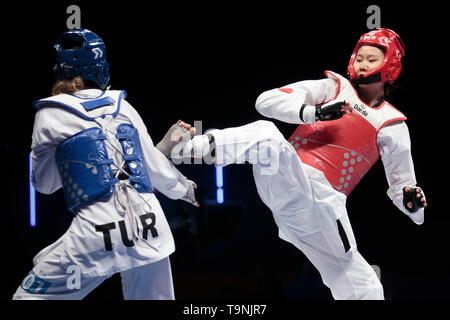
(295, 103)
(164, 175)
(395, 151)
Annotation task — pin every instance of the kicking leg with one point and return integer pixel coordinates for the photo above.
(257, 143)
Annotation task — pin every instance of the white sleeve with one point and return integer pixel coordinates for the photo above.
(395, 150)
(45, 175)
(164, 176)
(284, 104)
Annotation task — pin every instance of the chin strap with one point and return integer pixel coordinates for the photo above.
(367, 80)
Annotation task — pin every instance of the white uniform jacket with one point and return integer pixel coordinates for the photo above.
(393, 140)
(107, 236)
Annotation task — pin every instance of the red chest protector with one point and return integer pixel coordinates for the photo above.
(344, 149)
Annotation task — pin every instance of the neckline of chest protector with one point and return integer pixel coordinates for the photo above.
(337, 77)
(78, 108)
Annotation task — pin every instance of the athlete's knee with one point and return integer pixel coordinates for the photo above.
(268, 130)
(266, 152)
(265, 124)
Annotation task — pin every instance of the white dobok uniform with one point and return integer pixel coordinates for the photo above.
(307, 195)
(107, 236)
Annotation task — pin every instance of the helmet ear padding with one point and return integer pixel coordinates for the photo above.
(81, 53)
(394, 50)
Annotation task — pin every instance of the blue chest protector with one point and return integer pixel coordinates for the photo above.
(82, 159)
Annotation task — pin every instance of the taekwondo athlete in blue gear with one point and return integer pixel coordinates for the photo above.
(92, 143)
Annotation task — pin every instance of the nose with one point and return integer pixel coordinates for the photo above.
(362, 67)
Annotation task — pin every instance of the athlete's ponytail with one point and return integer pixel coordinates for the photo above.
(68, 86)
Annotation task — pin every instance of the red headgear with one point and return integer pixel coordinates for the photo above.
(394, 50)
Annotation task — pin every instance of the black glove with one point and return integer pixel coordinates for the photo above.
(413, 199)
(330, 111)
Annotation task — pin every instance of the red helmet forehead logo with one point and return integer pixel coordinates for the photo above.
(376, 38)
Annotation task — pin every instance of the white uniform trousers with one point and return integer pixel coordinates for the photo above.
(148, 282)
(309, 213)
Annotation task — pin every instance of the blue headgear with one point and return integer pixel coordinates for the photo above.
(81, 53)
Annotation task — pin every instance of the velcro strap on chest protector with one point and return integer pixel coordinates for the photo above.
(134, 157)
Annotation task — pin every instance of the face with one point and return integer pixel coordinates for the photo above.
(368, 58)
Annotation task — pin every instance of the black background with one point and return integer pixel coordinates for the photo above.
(209, 62)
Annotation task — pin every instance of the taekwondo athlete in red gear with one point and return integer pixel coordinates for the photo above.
(94, 145)
(344, 127)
